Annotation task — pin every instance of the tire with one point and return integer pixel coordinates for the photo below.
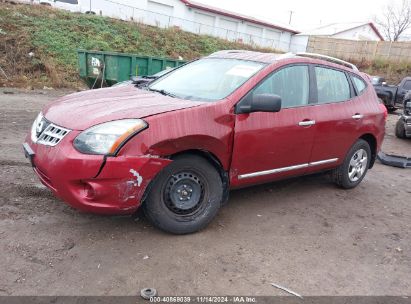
(400, 129)
(185, 196)
(391, 109)
(354, 167)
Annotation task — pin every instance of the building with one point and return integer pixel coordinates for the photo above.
(189, 16)
(351, 31)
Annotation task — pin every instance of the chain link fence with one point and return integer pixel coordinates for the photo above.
(131, 13)
(276, 40)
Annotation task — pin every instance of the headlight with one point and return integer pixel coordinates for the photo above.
(37, 127)
(107, 138)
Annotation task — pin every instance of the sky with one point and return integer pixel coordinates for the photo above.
(306, 14)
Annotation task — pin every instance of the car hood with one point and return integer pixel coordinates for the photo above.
(82, 110)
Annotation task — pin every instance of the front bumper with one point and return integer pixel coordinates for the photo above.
(394, 160)
(115, 185)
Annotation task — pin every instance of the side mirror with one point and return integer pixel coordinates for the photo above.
(261, 103)
(384, 83)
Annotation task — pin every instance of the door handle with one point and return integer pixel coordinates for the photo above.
(357, 116)
(306, 123)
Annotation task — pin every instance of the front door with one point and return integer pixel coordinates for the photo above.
(270, 146)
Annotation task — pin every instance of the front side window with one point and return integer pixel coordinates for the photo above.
(292, 84)
(359, 84)
(332, 85)
(208, 79)
(407, 85)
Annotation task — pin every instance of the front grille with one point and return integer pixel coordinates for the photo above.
(46, 133)
(52, 135)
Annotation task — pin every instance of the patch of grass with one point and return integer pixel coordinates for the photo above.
(53, 37)
(392, 71)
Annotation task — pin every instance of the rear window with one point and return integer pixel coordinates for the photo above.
(332, 85)
(376, 80)
(359, 84)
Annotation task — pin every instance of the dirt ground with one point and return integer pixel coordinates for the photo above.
(304, 234)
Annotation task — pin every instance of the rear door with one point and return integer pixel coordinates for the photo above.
(338, 114)
(269, 146)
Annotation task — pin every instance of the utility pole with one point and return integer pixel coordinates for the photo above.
(291, 16)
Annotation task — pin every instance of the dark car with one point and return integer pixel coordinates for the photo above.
(391, 95)
(232, 119)
(377, 80)
(143, 81)
(403, 126)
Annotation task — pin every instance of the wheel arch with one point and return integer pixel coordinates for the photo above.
(372, 141)
(215, 161)
(212, 159)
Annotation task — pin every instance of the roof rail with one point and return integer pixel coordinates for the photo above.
(330, 59)
(286, 55)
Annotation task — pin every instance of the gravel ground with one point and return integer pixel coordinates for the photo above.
(302, 233)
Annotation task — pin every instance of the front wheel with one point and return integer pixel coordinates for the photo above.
(185, 196)
(354, 167)
(400, 129)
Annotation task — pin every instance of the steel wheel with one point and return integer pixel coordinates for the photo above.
(185, 196)
(184, 193)
(358, 164)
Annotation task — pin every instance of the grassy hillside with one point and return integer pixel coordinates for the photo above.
(38, 44)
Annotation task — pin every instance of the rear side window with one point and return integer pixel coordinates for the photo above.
(359, 84)
(332, 85)
(292, 84)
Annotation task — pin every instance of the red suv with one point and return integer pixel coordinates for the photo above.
(229, 120)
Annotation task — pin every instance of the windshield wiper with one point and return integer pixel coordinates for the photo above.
(163, 92)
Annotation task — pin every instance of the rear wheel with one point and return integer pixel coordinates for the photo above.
(354, 167)
(185, 196)
(400, 129)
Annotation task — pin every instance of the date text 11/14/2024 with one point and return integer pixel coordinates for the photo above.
(204, 299)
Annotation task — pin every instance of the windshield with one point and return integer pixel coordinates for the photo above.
(208, 79)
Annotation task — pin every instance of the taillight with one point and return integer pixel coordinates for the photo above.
(384, 108)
